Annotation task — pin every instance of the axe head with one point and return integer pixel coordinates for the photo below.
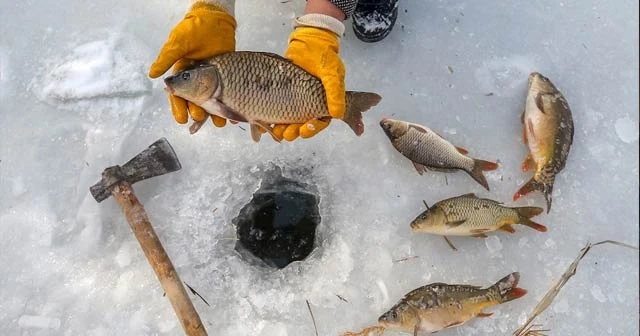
(158, 159)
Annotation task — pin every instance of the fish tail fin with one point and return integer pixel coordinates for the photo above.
(480, 166)
(508, 289)
(356, 103)
(533, 184)
(528, 212)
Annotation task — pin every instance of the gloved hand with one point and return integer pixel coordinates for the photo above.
(314, 45)
(206, 30)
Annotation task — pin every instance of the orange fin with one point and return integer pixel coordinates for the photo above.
(508, 228)
(528, 163)
(479, 167)
(533, 225)
(516, 293)
(419, 167)
(462, 150)
(479, 235)
(508, 289)
(483, 314)
(528, 187)
(531, 185)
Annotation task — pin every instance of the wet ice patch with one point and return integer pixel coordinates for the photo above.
(99, 69)
(597, 293)
(627, 129)
(505, 76)
(494, 245)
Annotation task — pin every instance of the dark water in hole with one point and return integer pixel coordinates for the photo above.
(278, 225)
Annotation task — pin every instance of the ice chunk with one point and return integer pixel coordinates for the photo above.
(627, 129)
(494, 245)
(596, 291)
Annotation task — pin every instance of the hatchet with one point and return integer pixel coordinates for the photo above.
(158, 159)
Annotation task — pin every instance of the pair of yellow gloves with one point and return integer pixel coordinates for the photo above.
(208, 30)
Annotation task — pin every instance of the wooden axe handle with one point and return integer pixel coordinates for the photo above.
(158, 258)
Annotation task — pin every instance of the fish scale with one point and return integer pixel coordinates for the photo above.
(429, 149)
(273, 91)
(478, 212)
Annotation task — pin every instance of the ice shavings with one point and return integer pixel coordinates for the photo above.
(98, 69)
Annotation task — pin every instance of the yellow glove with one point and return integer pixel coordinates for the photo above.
(317, 50)
(206, 30)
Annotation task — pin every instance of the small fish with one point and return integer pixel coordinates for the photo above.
(426, 149)
(262, 89)
(548, 132)
(468, 215)
(438, 306)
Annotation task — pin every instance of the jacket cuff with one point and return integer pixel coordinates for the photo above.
(320, 21)
(227, 5)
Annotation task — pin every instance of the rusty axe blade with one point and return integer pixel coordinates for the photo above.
(158, 159)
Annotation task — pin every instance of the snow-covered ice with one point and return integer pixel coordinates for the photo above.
(76, 99)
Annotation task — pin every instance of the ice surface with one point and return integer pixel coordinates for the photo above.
(75, 99)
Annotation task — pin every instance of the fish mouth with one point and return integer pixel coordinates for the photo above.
(386, 126)
(167, 83)
(532, 76)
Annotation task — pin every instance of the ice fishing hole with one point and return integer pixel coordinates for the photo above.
(278, 225)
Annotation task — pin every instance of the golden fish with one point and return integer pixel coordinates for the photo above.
(548, 132)
(262, 89)
(468, 215)
(438, 306)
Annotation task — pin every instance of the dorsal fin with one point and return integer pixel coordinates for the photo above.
(274, 55)
(418, 128)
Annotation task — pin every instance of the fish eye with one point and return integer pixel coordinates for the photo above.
(186, 76)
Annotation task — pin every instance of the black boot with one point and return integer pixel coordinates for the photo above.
(374, 19)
